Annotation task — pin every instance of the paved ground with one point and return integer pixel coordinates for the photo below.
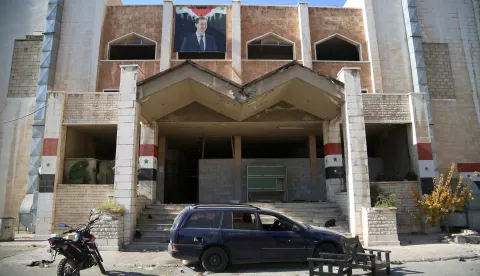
(450, 268)
(416, 254)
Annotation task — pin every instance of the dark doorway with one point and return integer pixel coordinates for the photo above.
(181, 169)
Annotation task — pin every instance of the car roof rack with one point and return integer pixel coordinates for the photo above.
(239, 205)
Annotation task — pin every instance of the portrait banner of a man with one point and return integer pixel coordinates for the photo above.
(200, 29)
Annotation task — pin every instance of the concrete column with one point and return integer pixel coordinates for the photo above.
(356, 158)
(98, 19)
(312, 147)
(372, 46)
(50, 163)
(127, 148)
(167, 27)
(334, 169)
(418, 68)
(236, 42)
(420, 146)
(238, 167)
(147, 162)
(304, 27)
(162, 153)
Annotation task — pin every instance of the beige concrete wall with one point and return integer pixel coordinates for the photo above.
(15, 141)
(455, 120)
(73, 202)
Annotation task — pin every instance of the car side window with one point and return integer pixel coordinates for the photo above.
(204, 220)
(273, 223)
(244, 221)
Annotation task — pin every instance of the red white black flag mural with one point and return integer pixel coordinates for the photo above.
(200, 29)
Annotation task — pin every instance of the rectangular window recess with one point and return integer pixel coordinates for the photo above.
(364, 91)
(111, 90)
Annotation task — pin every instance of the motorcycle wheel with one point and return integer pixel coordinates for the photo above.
(67, 267)
(99, 263)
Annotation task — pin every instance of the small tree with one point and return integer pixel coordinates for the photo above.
(445, 198)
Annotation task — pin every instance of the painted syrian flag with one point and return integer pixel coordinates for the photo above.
(209, 12)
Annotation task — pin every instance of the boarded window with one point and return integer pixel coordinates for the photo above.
(439, 71)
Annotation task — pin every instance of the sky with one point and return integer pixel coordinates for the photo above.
(338, 3)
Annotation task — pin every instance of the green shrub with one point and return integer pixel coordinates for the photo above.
(79, 173)
(111, 207)
(380, 198)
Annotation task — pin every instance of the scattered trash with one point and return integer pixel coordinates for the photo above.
(396, 262)
(181, 271)
(42, 263)
(461, 259)
(149, 216)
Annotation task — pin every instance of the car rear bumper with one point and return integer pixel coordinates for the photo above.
(178, 255)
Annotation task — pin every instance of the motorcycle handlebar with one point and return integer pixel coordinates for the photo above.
(79, 228)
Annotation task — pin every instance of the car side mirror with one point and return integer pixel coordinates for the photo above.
(61, 224)
(296, 229)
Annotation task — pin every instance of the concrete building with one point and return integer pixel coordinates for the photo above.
(307, 104)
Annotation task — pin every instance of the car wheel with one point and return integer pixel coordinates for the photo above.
(325, 248)
(214, 259)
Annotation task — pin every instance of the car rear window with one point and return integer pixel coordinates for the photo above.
(204, 220)
(179, 216)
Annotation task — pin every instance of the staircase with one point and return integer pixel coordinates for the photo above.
(156, 219)
(154, 226)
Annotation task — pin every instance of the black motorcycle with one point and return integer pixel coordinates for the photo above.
(80, 253)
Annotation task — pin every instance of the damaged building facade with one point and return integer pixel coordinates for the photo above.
(296, 104)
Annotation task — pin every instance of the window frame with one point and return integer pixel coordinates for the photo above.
(257, 226)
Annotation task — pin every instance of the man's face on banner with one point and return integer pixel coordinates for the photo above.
(201, 26)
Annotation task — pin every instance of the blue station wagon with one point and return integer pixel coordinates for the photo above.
(219, 235)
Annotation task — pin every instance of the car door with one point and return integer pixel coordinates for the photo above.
(284, 243)
(199, 229)
(240, 234)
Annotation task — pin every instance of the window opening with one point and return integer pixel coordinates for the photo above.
(272, 223)
(337, 48)
(111, 90)
(270, 47)
(132, 47)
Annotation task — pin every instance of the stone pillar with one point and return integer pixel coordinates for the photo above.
(147, 162)
(238, 167)
(355, 145)
(304, 27)
(312, 148)
(162, 153)
(332, 148)
(50, 163)
(126, 158)
(236, 42)
(167, 27)
(420, 146)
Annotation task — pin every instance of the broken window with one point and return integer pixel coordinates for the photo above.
(270, 47)
(338, 48)
(132, 47)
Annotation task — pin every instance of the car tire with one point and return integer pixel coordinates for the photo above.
(214, 259)
(325, 248)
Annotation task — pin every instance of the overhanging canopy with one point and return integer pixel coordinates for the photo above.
(189, 82)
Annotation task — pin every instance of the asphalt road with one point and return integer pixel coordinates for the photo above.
(452, 267)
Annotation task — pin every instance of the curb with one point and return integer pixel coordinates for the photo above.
(470, 256)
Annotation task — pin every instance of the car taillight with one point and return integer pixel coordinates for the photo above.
(174, 248)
